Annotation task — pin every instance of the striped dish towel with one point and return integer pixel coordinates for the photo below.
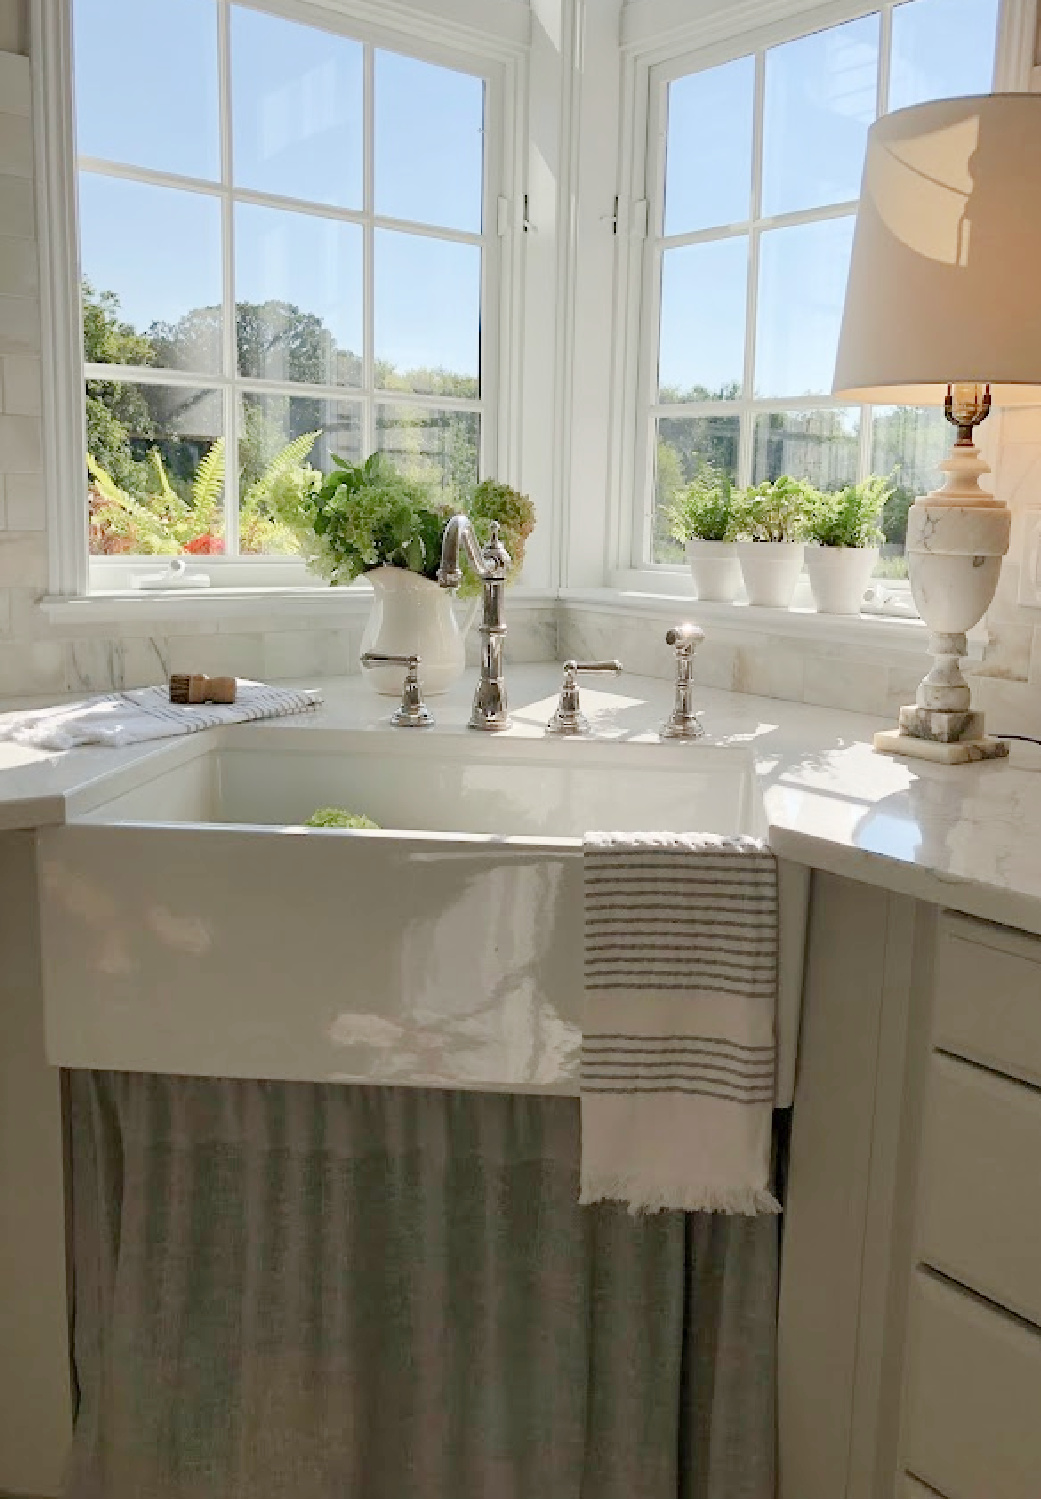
(678, 1050)
(129, 718)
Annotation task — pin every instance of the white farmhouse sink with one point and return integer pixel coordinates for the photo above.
(190, 925)
(420, 781)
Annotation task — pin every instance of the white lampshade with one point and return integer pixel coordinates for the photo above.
(945, 277)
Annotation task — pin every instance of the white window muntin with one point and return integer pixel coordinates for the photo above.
(651, 180)
(499, 67)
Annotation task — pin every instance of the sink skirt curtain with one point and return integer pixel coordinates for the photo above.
(313, 1289)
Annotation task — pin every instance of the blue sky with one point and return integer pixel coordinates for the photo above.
(147, 96)
(820, 98)
(296, 131)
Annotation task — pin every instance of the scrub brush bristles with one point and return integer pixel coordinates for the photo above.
(201, 689)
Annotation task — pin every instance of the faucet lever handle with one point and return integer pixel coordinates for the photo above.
(568, 717)
(413, 712)
(571, 666)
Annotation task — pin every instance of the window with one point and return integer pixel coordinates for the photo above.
(754, 171)
(284, 257)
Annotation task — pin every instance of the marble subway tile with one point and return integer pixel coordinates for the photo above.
(31, 667)
(16, 145)
(1007, 653)
(1010, 707)
(19, 266)
(17, 211)
(218, 655)
(779, 672)
(308, 653)
(145, 661)
(861, 686)
(23, 391)
(94, 666)
(23, 560)
(21, 446)
(15, 73)
(19, 325)
(26, 509)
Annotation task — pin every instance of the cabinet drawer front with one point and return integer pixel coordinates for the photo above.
(980, 1183)
(988, 996)
(972, 1397)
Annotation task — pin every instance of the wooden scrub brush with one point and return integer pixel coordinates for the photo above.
(199, 688)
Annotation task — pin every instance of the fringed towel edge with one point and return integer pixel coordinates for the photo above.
(642, 1197)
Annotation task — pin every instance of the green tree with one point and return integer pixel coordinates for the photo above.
(117, 412)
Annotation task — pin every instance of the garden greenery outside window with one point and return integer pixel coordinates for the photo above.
(284, 257)
(754, 173)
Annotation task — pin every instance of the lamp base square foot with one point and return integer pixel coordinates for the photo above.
(944, 724)
(941, 752)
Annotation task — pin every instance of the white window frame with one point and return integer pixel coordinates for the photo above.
(444, 35)
(657, 49)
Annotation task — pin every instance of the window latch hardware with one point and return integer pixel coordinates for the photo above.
(504, 217)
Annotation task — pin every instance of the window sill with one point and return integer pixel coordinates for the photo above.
(668, 600)
(287, 607)
(281, 606)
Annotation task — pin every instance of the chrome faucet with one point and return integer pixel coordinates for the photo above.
(489, 563)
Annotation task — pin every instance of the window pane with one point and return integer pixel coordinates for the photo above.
(297, 109)
(682, 445)
(159, 250)
(703, 299)
(821, 93)
(298, 296)
(907, 444)
(267, 425)
(820, 446)
(440, 446)
(429, 143)
(708, 159)
(802, 284)
(146, 84)
(427, 314)
(942, 49)
(150, 441)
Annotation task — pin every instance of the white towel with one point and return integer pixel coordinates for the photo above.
(678, 1050)
(147, 714)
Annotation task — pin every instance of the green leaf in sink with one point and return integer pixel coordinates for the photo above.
(338, 817)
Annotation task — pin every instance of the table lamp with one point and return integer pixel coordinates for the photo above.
(943, 307)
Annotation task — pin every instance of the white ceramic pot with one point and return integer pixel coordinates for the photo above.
(412, 615)
(715, 570)
(771, 571)
(839, 577)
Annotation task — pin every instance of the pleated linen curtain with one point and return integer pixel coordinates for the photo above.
(304, 1290)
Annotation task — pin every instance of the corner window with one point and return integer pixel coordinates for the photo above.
(754, 173)
(285, 256)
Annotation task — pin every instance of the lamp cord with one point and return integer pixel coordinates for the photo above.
(1029, 738)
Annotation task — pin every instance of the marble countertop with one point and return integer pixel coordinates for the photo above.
(965, 837)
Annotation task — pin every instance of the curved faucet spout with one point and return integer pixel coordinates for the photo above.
(489, 563)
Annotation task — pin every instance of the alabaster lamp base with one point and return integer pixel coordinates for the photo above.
(956, 538)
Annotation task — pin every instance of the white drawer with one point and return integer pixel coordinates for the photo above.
(972, 1397)
(987, 991)
(980, 1183)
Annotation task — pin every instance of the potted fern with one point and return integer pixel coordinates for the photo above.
(844, 528)
(768, 523)
(371, 519)
(700, 517)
